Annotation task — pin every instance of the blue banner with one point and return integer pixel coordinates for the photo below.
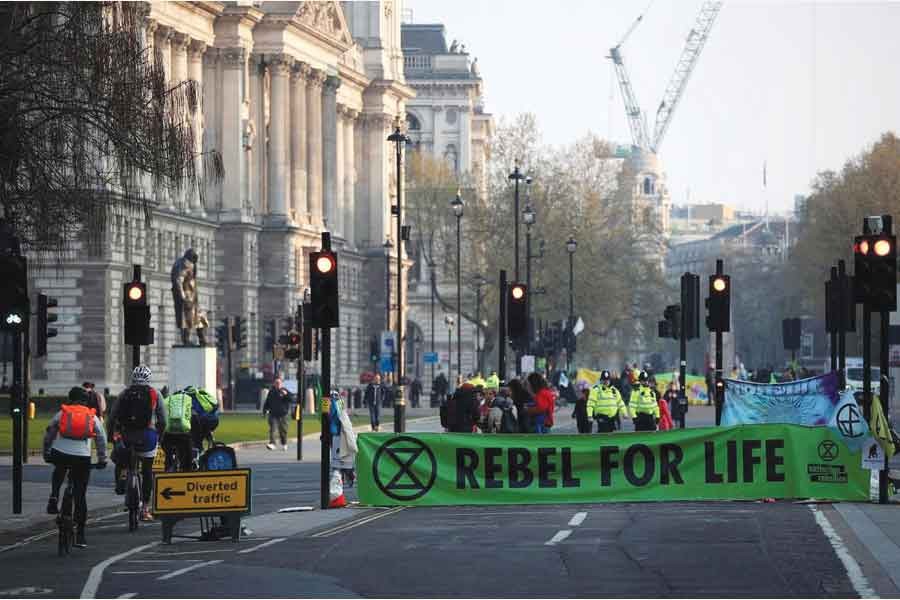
(812, 402)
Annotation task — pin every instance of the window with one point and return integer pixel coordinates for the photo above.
(648, 186)
(412, 123)
(451, 157)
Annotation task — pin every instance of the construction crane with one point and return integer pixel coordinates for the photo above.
(696, 39)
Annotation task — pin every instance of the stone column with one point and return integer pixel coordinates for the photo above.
(349, 177)
(314, 145)
(250, 126)
(279, 177)
(338, 227)
(163, 47)
(329, 147)
(379, 153)
(465, 140)
(231, 94)
(298, 142)
(211, 119)
(195, 72)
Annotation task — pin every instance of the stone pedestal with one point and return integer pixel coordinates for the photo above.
(192, 365)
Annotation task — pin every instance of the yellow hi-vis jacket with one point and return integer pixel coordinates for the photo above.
(492, 382)
(607, 401)
(643, 401)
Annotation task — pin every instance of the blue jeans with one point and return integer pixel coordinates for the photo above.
(374, 414)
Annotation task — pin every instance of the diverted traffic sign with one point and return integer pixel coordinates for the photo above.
(200, 492)
(741, 462)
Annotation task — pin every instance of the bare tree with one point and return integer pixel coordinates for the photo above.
(88, 123)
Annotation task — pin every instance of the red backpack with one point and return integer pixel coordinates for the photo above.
(76, 422)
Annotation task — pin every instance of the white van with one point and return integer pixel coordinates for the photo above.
(855, 374)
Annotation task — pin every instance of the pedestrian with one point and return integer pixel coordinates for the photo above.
(440, 386)
(502, 417)
(544, 403)
(416, 392)
(625, 385)
(605, 405)
(580, 413)
(276, 407)
(674, 401)
(373, 398)
(521, 398)
(462, 410)
(67, 446)
(665, 417)
(643, 405)
(343, 451)
(96, 400)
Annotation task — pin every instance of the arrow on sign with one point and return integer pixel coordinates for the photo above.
(169, 492)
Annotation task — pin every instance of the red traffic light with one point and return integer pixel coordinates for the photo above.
(862, 247)
(294, 338)
(325, 263)
(518, 292)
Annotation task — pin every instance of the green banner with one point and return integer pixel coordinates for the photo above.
(744, 462)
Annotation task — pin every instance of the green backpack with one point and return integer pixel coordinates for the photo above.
(178, 413)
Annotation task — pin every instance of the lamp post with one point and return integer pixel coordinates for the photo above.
(571, 246)
(479, 282)
(387, 283)
(448, 319)
(528, 217)
(399, 140)
(517, 176)
(431, 266)
(457, 206)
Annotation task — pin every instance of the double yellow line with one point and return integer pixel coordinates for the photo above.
(357, 523)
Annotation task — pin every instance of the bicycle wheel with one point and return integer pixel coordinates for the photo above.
(66, 525)
(132, 501)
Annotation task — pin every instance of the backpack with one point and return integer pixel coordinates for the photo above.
(178, 413)
(136, 406)
(205, 407)
(508, 422)
(76, 422)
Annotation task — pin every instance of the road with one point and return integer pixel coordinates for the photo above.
(709, 549)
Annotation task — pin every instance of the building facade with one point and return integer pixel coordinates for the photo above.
(298, 98)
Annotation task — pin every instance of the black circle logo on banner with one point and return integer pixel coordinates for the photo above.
(828, 450)
(849, 421)
(409, 465)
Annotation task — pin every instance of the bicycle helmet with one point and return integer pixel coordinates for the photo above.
(141, 375)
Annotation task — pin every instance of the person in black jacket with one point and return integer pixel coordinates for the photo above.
(373, 397)
(440, 386)
(277, 406)
(462, 410)
(521, 398)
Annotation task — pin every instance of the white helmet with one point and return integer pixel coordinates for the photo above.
(141, 375)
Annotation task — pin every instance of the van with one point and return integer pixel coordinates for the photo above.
(855, 374)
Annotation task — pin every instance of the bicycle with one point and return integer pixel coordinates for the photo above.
(65, 520)
(133, 489)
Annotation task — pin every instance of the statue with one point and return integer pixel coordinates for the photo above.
(249, 134)
(184, 293)
(453, 47)
(475, 70)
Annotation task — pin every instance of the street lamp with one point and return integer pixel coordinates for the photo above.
(528, 217)
(517, 176)
(479, 282)
(448, 319)
(399, 140)
(571, 246)
(431, 266)
(457, 206)
(387, 283)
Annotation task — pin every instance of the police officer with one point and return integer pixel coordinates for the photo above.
(644, 408)
(605, 404)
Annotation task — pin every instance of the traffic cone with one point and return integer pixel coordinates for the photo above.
(339, 502)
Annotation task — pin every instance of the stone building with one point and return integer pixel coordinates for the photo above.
(446, 119)
(299, 98)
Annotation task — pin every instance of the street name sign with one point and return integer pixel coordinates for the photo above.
(202, 492)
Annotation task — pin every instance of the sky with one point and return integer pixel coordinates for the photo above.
(800, 86)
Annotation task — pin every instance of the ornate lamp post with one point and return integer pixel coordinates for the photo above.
(529, 218)
(387, 283)
(571, 246)
(399, 140)
(448, 319)
(457, 206)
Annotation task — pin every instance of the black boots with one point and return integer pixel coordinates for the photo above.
(80, 541)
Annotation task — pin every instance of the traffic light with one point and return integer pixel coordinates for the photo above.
(137, 314)
(239, 334)
(15, 305)
(323, 282)
(44, 318)
(690, 306)
(293, 341)
(270, 335)
(670, 327)
(719, 303)
(516, 311)
(875, 276)
(224, 336)
(790, 333)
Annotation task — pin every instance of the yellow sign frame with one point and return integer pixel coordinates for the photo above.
(238, 502)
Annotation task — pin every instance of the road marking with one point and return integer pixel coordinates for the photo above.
(25, 590)
(186, 552)
(208, 563)
(161, 560)
(128, 595)
(578, 519)
(48, 533)
(854, 572)
(138, 572)
(357, 523)
(96, 575)
(560, 536)
(259, 546)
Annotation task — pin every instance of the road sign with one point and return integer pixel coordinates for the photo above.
(430, 358)
(159, 461)
(387, 364)
(202, 492)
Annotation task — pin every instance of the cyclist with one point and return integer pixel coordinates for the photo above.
(67, 445)
(204, 416)
(140, 419)
(177, 440)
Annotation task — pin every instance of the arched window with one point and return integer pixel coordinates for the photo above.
(648, 186)
(412, 123)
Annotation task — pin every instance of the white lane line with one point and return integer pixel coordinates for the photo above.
(578, 519)
(96, 575)
(208, 563)
(186, 553)
(259, 546)
(854, 572)
(162, 560)
(128, 595)
(363, 521)
(560, 536)
(138, 572)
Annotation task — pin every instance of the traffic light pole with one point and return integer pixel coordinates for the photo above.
(301, 385)
(501, 326)
(718, 381)
(845, 304)
(26, 389)
(834, 287)
(325, 462)
(136, 348)
(17, 406)
(228, 352)
(682, 367)
(884, 396)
